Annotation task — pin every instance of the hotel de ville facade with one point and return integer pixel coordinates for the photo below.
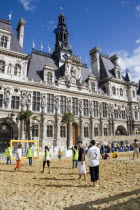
(103, 101)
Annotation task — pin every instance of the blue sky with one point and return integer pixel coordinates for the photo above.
(113, 25)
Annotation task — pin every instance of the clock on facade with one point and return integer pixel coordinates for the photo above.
(73, 80)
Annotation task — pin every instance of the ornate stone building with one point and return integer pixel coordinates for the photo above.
(103, 101)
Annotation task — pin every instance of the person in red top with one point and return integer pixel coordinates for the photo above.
(105, 156)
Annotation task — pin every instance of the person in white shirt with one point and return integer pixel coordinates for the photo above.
(94, 155)
(18, 157)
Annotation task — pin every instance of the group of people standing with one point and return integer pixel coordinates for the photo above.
(93, 152)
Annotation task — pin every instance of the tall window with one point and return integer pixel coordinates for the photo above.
(49, 131)
(17, 70)
(1, 100)
(49, 78)
(104, 109)
(119, 74)
(15, 102)
(36, 101)
(85, 107)
(133, 93)
(92, 86)
(136, 115)
(121, 92)
(123, 115)
(3, 42)
(116, 114)
(86, 132)
(34, 130)
(63, 131)
(75, 106)
(96, 131)
(50, 103)
(114, 90)
(105, 132)
(2, 66)
(95, 108)
(62, 104)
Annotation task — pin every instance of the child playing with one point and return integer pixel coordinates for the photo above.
(115, 154)
(105, 156)
(46, 159)
(18, 157)
(59, 154)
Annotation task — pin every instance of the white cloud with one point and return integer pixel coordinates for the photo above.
(138, 41)
(125, 2)
(138, 8)
(132, 62)
(86, 9)
(27, 4)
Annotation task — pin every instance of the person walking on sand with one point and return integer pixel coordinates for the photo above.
(59, 154)
(136, 148)
(94, 155)
(46, 159)
(30, 153)
(7, 154)
(81, 161)
(18, 158)
(75, 157)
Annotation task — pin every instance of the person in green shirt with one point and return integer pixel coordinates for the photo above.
(30, 154)
(7, 154)
(75, 157)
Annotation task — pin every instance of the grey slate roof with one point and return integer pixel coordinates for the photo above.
(36, 65)
(37, 62)
(106, 66)
(128, 77)
(14, 45)
(85, 73)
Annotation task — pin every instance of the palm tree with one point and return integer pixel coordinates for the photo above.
(26, 116)
(68, 118)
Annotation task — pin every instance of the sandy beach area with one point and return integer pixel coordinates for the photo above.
(29, 189)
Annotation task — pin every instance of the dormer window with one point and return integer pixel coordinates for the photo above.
(133, 92)
(49, 78)
(93, 87)
(17, 70)
(3, 41)
(121, 92)
(119, 75)
(114, 90)
(2, 66)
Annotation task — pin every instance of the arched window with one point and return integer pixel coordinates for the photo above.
(49, 78)
(114, 90)
(2, 66)
(17, 70)
(121, 92)
(3, 42)
(133, 92)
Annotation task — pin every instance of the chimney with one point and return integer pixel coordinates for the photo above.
(114, 60)
(95, 62)
(20, 31)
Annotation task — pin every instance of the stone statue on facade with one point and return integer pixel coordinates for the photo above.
(6, 97)
(24, 100)
(69, 104)
(91, 107)
(100, 109)
(80, 106)
(29, 100)
(56, 105)
(79, 83)
(43, 102)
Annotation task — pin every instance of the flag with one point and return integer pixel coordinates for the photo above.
(56, 30)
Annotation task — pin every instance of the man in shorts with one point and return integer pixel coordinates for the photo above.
(136, 148)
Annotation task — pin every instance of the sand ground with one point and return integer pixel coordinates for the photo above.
(29, 189)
